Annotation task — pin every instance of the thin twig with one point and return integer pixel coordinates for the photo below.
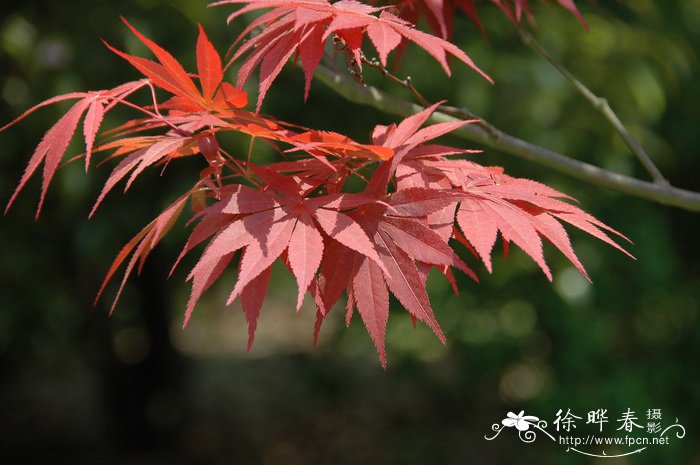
(405, 83)
(665, 194)
(459, 113)
(599, 104)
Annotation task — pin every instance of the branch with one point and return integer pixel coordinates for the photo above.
(349, 88)
(599, 104)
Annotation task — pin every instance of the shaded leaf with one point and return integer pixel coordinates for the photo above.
(372, 300)
(252, 298)
(305, 252)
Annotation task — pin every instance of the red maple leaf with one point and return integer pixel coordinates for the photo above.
(523, 211)
(265, 225)
(439, 14)
(53, 145)
(170, 75)
(302, 27)
(167, 74)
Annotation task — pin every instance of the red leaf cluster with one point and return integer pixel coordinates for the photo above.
(439, 14)
(302, 27)
(416, 205)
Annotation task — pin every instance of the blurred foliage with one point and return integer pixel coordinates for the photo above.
(135, 388)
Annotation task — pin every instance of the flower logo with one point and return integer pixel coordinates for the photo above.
(520, 421)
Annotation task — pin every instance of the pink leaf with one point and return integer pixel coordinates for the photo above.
(203, 278)
(50, 151)
(91, 125)
(409, 126)
(479, 228)
(418, 201)
(305, 253)
(210, 225)
(555, 233)
(252, 298)
(208, 65)
(405, 283)
(311, 50)
(155, 153)
(345, 230)
(238, 234)
(422, 243)
(248, 200)
(515, 226)
(384, 38)
(337, 268)
(257, 258)
(372, 299)
(273, 62)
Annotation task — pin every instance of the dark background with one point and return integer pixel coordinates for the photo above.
(79, 387)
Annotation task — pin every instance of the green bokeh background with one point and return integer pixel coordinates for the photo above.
(79, 387)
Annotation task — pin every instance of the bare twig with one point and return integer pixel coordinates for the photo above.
(662, 193)
(459, 113)
(599, 104)
(405, 83)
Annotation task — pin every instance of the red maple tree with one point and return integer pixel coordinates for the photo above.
(419, 198)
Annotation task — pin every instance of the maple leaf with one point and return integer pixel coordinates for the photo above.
(303, 27)
(169, 74)
(266, 225)
(54, 144)
(439, 14)
(521, 210)
(405, 244)
(141, 245)
(407, 139)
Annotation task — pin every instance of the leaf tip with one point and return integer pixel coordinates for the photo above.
(9, 203)
(188, 314)
(126, 21)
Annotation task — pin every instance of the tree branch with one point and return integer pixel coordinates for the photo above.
(349, 88)
(598, 103)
